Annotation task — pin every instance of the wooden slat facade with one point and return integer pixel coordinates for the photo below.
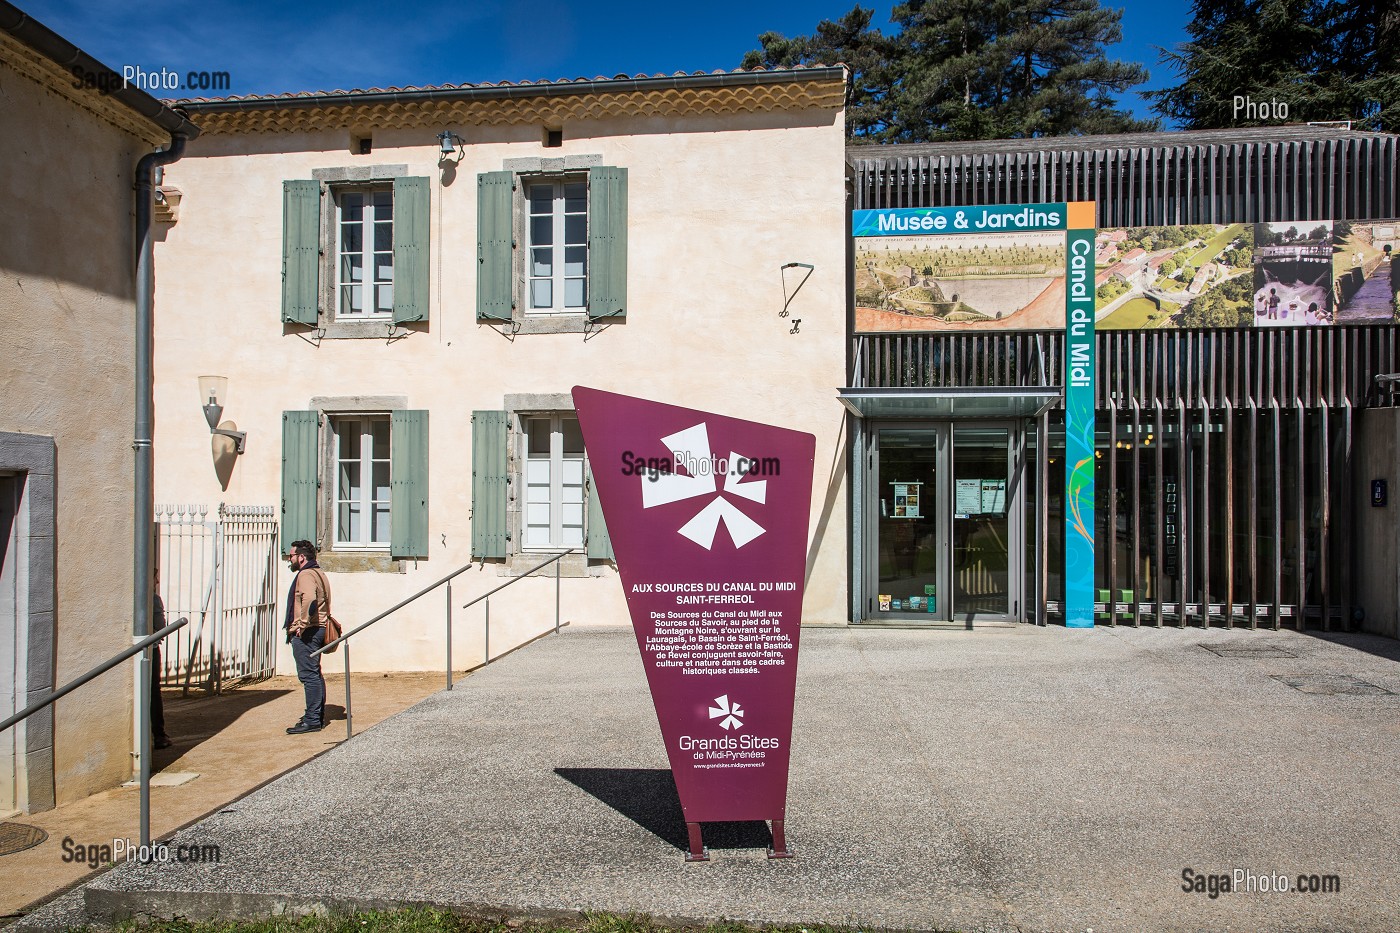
(1224, 491)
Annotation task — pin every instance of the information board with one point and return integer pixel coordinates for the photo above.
(708, 518)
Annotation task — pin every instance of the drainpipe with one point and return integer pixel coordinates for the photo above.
(143, 497)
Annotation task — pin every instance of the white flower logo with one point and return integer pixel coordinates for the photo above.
(692, 446)
(732, 713)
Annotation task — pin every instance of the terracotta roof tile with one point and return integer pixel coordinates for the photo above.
(293, 95)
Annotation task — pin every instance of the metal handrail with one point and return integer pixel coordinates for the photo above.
(519, 578)
(143, 692)
(345, 636)
(97, 671)
(392, 609)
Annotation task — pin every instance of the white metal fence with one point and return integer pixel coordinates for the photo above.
(220, 573)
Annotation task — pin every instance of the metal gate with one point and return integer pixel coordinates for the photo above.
(221, 574)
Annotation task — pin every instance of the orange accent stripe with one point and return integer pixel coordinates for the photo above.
(1080, 215)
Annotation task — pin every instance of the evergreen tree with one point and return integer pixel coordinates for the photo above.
(849, 40)
(1325, 60)
(973, 69)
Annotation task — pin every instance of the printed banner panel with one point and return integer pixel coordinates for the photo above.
(1285, 274)
(963, 268)
(708, 517)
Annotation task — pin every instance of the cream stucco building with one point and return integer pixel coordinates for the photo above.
(70, 141)
(401, 288)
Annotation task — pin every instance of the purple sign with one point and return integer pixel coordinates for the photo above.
(708, 519)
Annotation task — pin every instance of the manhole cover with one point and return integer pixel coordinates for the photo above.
(16, 837)
(1249, 651)
(1332, 685)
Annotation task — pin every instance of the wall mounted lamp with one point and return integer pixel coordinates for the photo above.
(213, 390)
(449, 143)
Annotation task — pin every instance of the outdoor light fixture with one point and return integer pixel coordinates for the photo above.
(448, 143)
(213, 390)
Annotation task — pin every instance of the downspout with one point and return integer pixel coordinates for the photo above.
(143, 498)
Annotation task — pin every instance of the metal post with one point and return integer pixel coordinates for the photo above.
(488, 632)
(143, 690)
(349, 721)
(556, 596)
(449, 634)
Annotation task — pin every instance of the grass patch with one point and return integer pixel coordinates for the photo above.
(1215, 245)
(1137, 312)
(434, 920)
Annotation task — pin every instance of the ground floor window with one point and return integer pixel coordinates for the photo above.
(554, 481)
(362, 481)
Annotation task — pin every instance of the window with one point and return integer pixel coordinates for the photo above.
(355, 478)
(355, 250)
(552, 249)
(364, 253)
(554, 482)
(558, 245)
(362, 482)
(531, 488)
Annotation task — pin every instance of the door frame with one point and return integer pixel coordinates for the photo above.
(867, 531)
(33, 460)
(943, 459)
(1016, 522)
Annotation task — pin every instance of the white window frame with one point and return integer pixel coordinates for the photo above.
(556, 485)
(367, 461)
(558, 246)
(367, 253)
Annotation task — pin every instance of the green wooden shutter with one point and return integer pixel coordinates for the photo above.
(298, 476)
(495, 246)
(408, 469)
(599, 545)
(411, 213)
(301, 250)
(489, 484)
(607, 242)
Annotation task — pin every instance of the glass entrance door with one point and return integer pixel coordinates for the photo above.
(910, 512)
(945, 539)
(982, 527)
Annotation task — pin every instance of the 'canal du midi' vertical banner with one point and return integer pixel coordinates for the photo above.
(1079, 415)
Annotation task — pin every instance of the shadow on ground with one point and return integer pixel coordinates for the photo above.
(647, 797)
(1377, 645)
(194, 720)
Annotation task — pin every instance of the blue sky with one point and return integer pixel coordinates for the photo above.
(272, 47)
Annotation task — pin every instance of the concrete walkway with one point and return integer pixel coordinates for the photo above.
(225, 746)
(1018, 779)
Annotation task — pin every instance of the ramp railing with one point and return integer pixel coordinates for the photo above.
(447, 582)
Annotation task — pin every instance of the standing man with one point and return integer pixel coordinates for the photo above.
(307, 601)
(159, 739)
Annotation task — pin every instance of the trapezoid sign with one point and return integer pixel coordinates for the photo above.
(708, 517)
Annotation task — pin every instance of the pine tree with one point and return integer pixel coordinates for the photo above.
(1325, 60)
(850, 41)
(973, 69)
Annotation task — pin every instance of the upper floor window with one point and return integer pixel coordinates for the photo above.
(558, 245)
(551, 249)
(364, 252)
(355, 252)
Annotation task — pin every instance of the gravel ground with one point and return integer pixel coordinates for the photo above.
(1011, 779)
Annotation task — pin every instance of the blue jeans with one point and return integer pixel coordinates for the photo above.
(309, 673)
